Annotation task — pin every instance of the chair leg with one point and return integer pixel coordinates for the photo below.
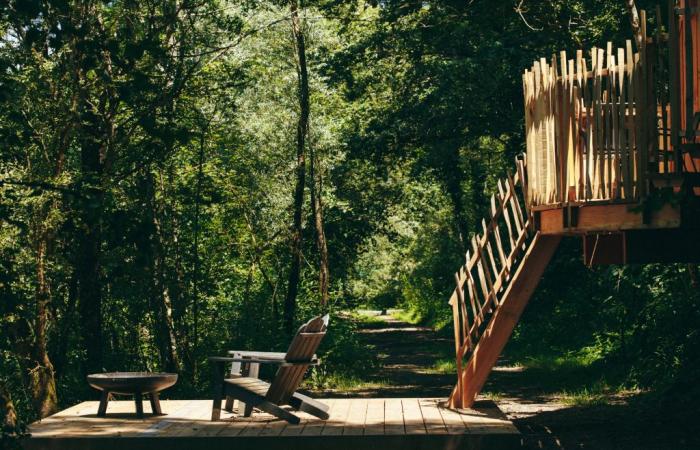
(247, 410)
(138, 399)
(218, 391)
(277, 411)
(104, 399)
(229, 404)
(155, 404)
(301, 402)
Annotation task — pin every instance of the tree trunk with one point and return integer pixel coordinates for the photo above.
(160, 293)
(452, 177)
(90, 239)
(634, 21)
(302, 128)
(42, 384)
(321, 244)
(89, 232)
(8, 414)
(195, 244)
(68, 320)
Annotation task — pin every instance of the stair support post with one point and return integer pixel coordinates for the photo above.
(486, 352)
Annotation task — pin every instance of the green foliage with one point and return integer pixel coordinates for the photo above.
(149, 153)
(637, 321)
(346, 359)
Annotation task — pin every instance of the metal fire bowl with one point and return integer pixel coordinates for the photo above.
(128, 383)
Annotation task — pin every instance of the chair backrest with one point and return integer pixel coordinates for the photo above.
(302, 349)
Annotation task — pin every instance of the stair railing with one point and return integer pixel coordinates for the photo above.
(494, 256)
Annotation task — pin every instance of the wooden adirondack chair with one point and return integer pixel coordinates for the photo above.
(270, 397)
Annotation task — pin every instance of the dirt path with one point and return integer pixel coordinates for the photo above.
(408, 355)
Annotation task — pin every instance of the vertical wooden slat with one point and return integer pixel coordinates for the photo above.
(473, 296)
(615, 130)
(689, 68)
(609, 126)
(489, 249)
(588, 107)
(580, 137)
(661, 138)
(515, 205)
(631, 117)
(645, 108)
(595, 123)
(674, 82)
(564, 128)
(484, 271)
(506, 214)
(622, 123)
(458, 336)
(572, 183)
(497, 234)
(462, 325)
(522, 177)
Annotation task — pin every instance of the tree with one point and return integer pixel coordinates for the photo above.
(302, 131)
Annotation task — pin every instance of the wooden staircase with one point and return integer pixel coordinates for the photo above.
(492, 288)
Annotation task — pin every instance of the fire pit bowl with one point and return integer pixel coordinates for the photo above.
(131, 383)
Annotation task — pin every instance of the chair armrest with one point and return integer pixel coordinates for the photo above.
(255, 354)
(280, 362)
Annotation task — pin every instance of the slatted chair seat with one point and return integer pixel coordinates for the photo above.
(270, 397)
(253, 385)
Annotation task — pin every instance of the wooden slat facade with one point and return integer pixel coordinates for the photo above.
(609, 124)
(393, 423)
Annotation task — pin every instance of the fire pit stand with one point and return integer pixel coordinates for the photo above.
(137, 384)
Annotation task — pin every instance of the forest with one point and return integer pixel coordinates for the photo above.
(182, 177)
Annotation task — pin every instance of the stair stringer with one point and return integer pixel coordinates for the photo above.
(500, 327)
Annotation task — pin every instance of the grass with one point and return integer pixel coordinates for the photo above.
(443, 366)
(493, 396)
(407, 316)
(585, 398)
(575, 378)
(366, 320)
(343, 382)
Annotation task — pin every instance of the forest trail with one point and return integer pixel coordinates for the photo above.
(407, 355)
(531, 398)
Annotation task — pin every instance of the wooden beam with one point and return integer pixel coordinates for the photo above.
(501, 325)
(608, 217)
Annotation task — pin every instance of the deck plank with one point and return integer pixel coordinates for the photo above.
(374, 421)
(393, 417)
(338, 417)
(453, 421)
(356, 418)
(393, 423)
(315, 426)
(412, 416)
(486, 420)
(432, 417)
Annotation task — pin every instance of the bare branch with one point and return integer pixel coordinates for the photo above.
(634, 21)
(521, 12)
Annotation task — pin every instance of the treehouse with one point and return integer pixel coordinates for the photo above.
(613, 156)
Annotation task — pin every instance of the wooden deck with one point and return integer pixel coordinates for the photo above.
(395, 423)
